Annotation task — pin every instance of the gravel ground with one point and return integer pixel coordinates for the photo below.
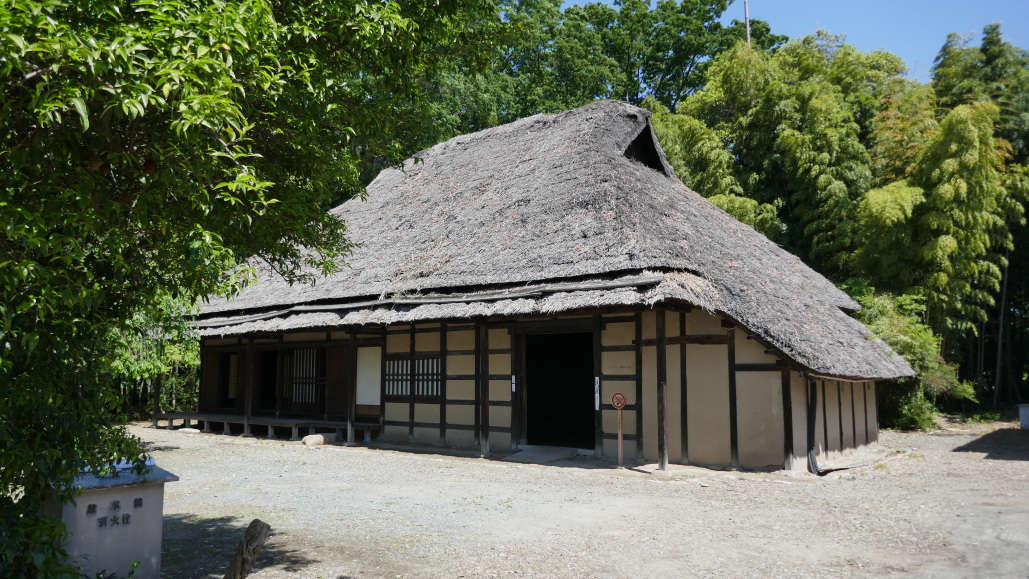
(948, 504)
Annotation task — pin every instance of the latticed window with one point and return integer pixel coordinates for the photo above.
(304, 384)
(418, 376)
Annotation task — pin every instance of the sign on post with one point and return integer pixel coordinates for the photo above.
(618, 401)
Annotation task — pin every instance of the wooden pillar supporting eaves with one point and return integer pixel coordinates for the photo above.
(662, 386)
(248, 404)
(483, 386)
(787, 419)
(734, 430)
(812, 422)
(684, 410)
(598, 424)
(639, 383)
(443, 384)
(352, 388)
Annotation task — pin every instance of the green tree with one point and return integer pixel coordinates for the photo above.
(995, 71)
(897, 320)
(962, 228)
(704, 164)
(157, 349)
(795, 140)
(149, 147)
(552, 61)
(901, 130)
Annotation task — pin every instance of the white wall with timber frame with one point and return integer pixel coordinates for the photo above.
(728, 400)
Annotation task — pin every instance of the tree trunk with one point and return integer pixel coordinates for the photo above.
(1000, 334)
(248, 549)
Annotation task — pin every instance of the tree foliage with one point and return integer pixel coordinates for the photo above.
(148, 148)
(898, 321)
(551, 60)
(962, 228)
(918, 188)
(795, 138)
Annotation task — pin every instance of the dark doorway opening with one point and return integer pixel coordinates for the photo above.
(559, 390)
(267, 379)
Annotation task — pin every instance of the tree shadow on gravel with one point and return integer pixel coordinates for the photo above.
(1003, 444)
(198, 547)
(149, 447)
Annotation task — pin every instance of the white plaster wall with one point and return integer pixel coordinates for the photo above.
(760, 419)
(707, 376)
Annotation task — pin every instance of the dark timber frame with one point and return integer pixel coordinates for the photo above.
(484, 339)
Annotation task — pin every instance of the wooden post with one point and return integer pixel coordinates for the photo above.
(639, 383)
(412, 380)
(839, 408)
(248, 548)
(352, 389)
(621, 449)
(484, 387)
(812, 421)
(662, 379)
(787, 419)
(683, 392)
(598, 422)
(248, 404)
(734, 431)
(864, 404)
(157, 398)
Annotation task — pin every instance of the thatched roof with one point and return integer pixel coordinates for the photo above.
(514, 220)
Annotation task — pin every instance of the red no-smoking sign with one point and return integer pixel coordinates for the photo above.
(618, 400)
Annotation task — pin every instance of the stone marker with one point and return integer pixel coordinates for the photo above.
(115, 521)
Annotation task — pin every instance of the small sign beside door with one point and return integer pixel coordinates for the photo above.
(596, 392)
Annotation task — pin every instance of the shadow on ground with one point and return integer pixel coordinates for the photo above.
(1003, 444)
(196, 547)
(151, 447)
(578, 461)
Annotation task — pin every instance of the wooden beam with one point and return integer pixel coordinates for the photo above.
(812, 422)
(864, 395)
(763, 367)
(517, 389)
(410, 385)
(483, 336)
(352, 388)
(443, 384)
(825, 419)
(853, 415)
(734, 431)
(584, 325)
(639, 384)
(696, 339)
(839, 410)
(248, 403)
(787, 419)
(598, 425)
(662, 379)
(683, 394)
(157, 394)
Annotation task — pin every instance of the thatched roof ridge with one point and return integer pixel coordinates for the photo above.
(555, 197)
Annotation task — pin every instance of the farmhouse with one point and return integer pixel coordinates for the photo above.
(506, 284)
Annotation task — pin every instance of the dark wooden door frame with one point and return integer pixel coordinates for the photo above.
(519, 370)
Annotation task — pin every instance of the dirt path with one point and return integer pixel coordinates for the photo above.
(950, 504)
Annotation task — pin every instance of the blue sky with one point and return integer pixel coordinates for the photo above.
(912, 29)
